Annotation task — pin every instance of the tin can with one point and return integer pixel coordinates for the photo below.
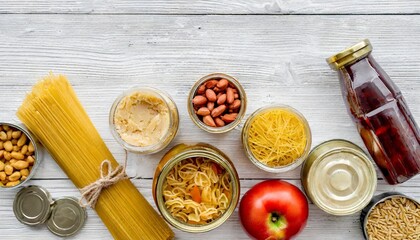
(176, 155)
(339, 177)
(241, 94)
(38, 152)
(374, 202)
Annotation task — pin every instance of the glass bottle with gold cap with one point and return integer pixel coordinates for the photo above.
(380, 112)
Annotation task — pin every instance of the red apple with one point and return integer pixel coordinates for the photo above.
(273, 209)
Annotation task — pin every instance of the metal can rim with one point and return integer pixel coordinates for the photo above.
(315, 157)
(38, 151)
(375, 201)
(201, 150)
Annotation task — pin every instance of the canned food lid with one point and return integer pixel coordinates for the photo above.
(67, 217)
(342, 180)
(32, 205)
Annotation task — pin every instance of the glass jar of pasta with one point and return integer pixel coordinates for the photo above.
(196, 187)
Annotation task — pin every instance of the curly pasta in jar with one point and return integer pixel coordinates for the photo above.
(197, 190)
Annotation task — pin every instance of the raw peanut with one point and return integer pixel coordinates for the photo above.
(1, 154)
(9, 134)
(210, 106)
(12, 184)
(1, 145)
(219, 122)
(16, 148)
(24, 149)
(19, 165)
(15, 176)
(12, 161)
(16, 134)
(3, 136)
(216, 89)
(235, 105)
(218, 111)
(197, 100)
(23, 178)
(211, 95)
(222, 99)
(8, 170)
(30, 160)
(203, 111)
(208, 120)
(24, 172)
(14, 142)
(235, 90)
(22, 140)
(31, 147)
(236, 96)
(6, 128)
(17, 155)
(201, 89)
(223, 84)
(2, 176)
(228, 118)
(1, 166)
(211, 83)
(8, 146)
(230, 95)
(7, 156)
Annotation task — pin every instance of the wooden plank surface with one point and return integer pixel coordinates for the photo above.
(320, 225)
(278, 59)
(211, 7)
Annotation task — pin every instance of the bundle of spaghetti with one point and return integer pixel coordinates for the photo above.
(54, 114)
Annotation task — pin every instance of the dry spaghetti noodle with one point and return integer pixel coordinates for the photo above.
(54, 114)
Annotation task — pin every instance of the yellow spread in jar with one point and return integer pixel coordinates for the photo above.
(142, 119)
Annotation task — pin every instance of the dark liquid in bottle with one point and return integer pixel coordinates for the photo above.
(383, 119)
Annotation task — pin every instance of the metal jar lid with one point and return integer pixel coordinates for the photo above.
(67, 217)
(350, 55)
(339, 177)
(33, 206)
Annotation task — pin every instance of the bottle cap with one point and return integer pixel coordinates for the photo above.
(350, 55)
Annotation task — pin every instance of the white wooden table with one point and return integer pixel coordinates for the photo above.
(276, 48)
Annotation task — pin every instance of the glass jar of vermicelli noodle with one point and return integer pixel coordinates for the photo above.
(196, 187)
(276, 138)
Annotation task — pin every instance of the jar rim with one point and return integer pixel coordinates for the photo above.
(241, 112)
(278, 169)
(163, 141)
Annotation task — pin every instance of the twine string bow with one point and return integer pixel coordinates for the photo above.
(108, 177)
